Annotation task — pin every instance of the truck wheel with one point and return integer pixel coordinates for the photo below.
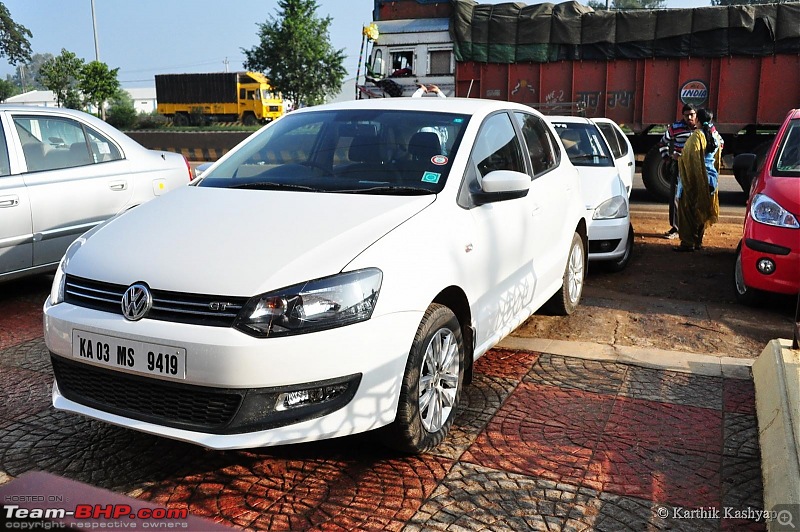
(180, 119)
(249, 119)
(657, 173)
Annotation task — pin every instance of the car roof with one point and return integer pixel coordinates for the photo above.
(566, 119)
(468, 106)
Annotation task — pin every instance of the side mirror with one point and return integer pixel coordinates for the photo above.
(502, 185)
(744, 169)
(200, 168)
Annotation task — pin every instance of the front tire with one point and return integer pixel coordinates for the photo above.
(432, 384)
(744, 294)
(565, 301)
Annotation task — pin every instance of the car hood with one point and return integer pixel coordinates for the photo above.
(783, 190)
(238, 242)
(599, 185)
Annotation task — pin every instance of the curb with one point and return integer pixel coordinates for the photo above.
(776, 373)
(680, 361)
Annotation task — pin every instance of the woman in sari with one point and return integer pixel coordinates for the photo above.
(699, 163)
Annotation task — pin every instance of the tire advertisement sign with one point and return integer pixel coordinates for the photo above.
(695, 92)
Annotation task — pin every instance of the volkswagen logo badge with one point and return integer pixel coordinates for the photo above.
(136, 302)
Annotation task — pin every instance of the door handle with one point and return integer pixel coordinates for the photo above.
(9, 201)
(118, 185)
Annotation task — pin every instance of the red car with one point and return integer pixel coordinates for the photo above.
(768, 256)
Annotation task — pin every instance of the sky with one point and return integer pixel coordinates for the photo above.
(147, 37)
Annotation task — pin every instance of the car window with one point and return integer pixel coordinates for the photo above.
(584, 144)
(353, 151)
(611, 138)
(541, 147)
(787, 163)
(51, 143)
(497, 146)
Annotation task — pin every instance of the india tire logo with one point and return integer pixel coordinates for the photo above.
(695, 92)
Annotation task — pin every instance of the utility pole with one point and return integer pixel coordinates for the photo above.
(94, 27)
(226, 64)
(97, 55)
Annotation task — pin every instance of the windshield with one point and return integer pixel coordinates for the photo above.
(584, 143)
(787, 163)
(347, 151)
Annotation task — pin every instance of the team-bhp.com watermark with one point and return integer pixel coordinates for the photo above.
(781, 517)
(92, 516)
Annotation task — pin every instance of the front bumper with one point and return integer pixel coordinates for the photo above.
(785, 279)
(608, 239)
(228, 370)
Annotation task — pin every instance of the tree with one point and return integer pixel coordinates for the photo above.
(98, 84)
(26, 74)
(121, 111)
(296, 55)
(60, 76)
(7, 89)
(14, 42)
(599, 5)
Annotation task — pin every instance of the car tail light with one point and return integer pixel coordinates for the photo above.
(188, 168)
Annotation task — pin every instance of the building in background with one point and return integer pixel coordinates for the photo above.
(144, 99)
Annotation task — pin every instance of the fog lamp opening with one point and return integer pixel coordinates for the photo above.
(310, 396)
(765, 266)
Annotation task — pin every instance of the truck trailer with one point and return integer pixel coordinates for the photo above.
(636, 67)
(220, 97)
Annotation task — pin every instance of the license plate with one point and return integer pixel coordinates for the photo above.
(132, 355)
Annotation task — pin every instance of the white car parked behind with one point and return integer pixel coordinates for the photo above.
(62, 172)
(605, 192)
(351, 263)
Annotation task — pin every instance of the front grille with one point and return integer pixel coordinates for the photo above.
(145, 399)
(197, 309)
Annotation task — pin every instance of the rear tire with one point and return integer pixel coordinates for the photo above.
(432, 383)
(565, 301)
(657, 174)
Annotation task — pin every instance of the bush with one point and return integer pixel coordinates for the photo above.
(121, 116)
(151, 121)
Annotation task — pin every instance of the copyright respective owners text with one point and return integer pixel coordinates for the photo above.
(780, 517)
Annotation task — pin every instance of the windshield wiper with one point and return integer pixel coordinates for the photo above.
(270, 185)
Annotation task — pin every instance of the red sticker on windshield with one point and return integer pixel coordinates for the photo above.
(439, 160)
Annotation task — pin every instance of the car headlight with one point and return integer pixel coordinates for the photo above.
(312, 306)
(766, 210)
(615, 207)
(60, 279)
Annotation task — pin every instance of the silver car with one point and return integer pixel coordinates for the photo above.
(61, 173)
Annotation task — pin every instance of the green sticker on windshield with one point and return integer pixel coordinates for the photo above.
(431, 177)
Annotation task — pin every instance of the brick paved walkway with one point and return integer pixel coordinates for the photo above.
(541, 442)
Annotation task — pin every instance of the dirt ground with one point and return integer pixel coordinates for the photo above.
(675, 301)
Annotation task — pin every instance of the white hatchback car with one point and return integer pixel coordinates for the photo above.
(344, 267)
(61, 173)
(605, 190)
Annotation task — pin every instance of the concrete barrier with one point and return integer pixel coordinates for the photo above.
(776, 374)
(195, 146)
